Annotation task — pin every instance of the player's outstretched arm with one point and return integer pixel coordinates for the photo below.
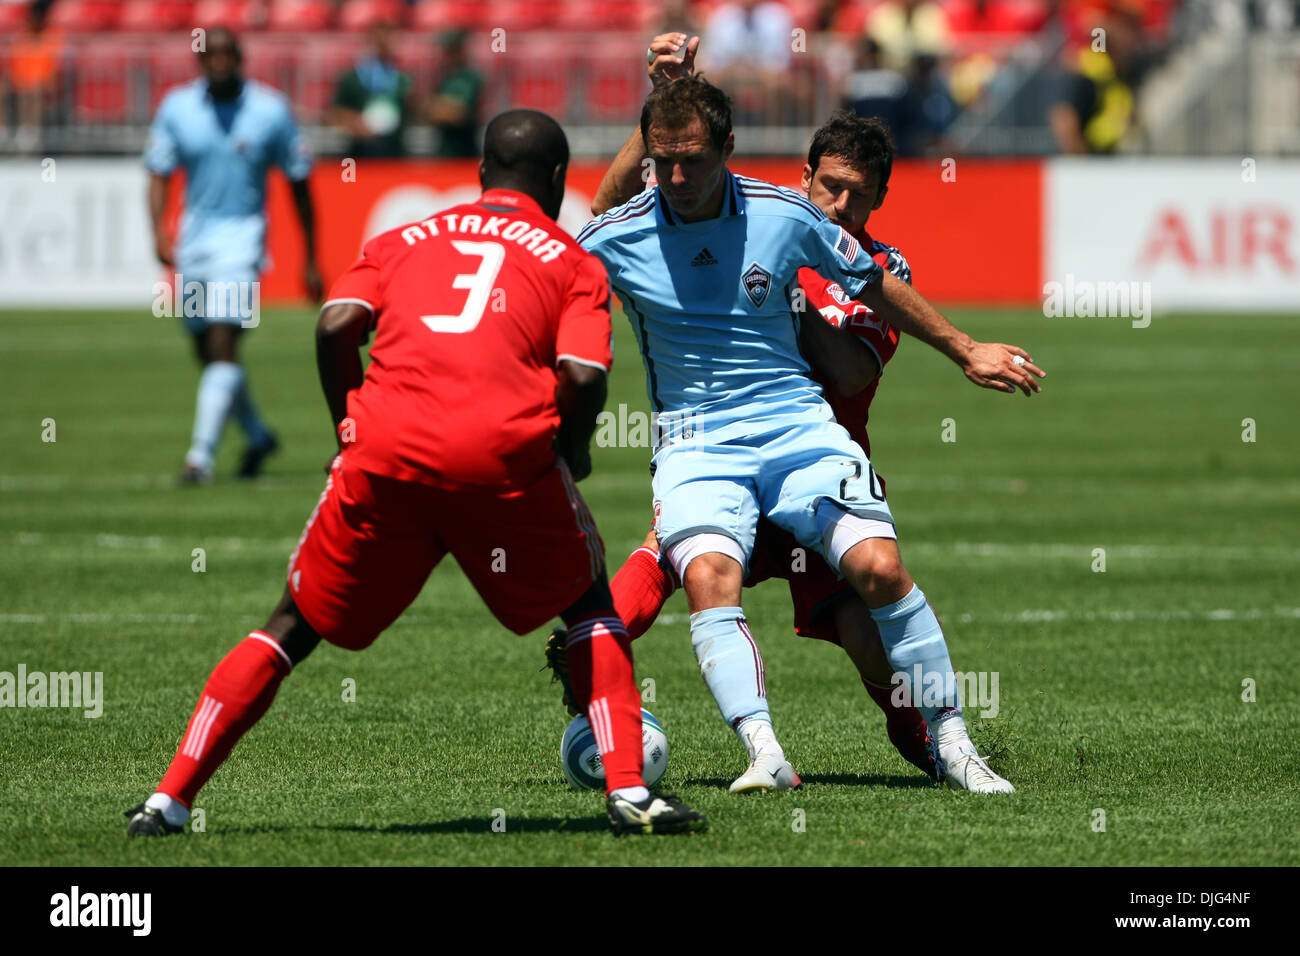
(626, 176)
(987, 364)
(162, 242)
(580, 395)
(839, 357)
(339, 334)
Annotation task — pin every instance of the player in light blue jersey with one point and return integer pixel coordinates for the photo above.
(705, 265)
(225, 132)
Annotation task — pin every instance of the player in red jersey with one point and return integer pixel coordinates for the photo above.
(464, 436)
(846, 176)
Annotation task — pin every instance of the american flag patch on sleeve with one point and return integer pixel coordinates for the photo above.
(847, 246)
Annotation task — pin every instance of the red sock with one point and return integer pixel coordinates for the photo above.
(640, 589)
(599, 654)
(235, 697)
(898, 717)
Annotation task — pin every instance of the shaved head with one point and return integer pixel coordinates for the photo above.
(527, 151)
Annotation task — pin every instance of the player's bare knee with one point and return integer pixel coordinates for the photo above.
(875, 568)
(713, 580)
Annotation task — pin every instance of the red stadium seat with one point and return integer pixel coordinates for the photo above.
(84, 16)
(148, 16)
(235, 14)
(363, 14)
(437, 15)
(614, 91)
(299, 15)
(13, 16)
(523, 14)
(539, 86)
(99, 92)
(584, 16)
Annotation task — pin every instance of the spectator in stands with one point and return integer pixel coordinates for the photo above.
(1094, 106)
(917, 107)
(454, 107)
(372, 102)
(873, 89)
(37, 56)
(751, 53)
(906, 28)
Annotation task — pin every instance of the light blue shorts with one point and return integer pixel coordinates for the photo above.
(784, 474)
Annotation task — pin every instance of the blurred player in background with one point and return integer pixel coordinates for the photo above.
(225, 132)
(465, 436)
(756, 446)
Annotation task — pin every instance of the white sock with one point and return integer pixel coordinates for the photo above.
(634, 794)
(173, 811)
(218, 386)
(757, 735)
(951, 738)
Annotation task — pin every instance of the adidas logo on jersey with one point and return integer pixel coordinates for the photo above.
(705, 258)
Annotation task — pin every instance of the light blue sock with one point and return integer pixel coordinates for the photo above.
(218, 386)
(245, 413)
(730, 664)
(918, 654)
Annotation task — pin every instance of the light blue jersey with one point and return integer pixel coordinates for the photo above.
(744, 430)
(225, 150)
(711, 301)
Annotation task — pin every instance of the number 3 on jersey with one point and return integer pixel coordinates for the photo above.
(479, 283)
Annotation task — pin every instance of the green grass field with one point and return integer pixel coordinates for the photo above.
(1119, 691)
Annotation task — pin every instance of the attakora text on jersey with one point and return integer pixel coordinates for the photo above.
(537, 241)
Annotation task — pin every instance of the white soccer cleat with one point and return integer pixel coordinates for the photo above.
(768, 771)
(968, 771)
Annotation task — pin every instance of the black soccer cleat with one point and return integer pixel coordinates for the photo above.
(657, 813)
(559, 665)
(147, 821)
(250, 466)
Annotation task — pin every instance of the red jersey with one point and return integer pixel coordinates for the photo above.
(882, 338)
(471, 309)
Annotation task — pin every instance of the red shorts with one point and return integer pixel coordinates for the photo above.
(372, 542)
(814, 590)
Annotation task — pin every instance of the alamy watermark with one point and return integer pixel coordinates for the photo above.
(974, 689)
(1084, 299)
(82, 689)
(637, 429)
(208, 300)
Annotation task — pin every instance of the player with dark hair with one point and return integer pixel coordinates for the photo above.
(465, 435)
(861, 544)
(226, 132)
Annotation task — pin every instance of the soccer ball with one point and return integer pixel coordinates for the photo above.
(580, 757)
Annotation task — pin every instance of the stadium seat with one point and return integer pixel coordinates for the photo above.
(539, 85)
(299, 16)
(149, 16)
(363, 14)
(13, 16)
(99, 94)
(523, 14)
(236, 14)
(438, 15)
(84, 16)
(585, 16)
(613, 91)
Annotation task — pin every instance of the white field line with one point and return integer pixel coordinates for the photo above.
(1027, 616)
(961, 549)
(1044, 616)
